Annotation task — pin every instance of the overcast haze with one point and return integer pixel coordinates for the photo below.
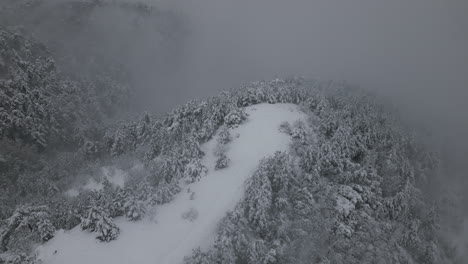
(63, 123)
(414, 51)
(389, 45)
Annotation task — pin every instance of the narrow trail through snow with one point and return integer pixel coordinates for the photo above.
(169, 238)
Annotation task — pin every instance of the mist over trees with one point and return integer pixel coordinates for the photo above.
(353, 179)
(360, 184)
(130, 43)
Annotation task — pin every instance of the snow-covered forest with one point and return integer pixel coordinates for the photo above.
(291, 170)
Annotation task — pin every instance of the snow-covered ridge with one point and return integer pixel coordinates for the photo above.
(169, 237)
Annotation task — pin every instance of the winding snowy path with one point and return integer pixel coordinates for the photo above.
(170, 238)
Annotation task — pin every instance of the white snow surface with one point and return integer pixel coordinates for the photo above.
(168, 238)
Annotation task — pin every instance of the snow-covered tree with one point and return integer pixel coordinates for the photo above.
(34, 218)
(18, 258)
(285, 127)
(199, 257)
(228, 242)
(336, 198)
(304, 201)
(98, 220)
(224, 136)
(194, 170)
(134, 209)
(257, 251)
(259, 199)
(222, 161)
(235, 117)
(91, 148)
(164, 192)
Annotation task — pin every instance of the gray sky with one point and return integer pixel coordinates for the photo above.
(411, 46)
(415, 51)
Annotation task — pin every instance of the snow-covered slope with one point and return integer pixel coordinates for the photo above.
(167, 237)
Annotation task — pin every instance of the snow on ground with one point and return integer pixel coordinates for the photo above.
(169, 238)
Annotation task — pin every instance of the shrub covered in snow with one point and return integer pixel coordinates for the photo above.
(162, 193)
(34, 218)
(194, 170)
(98, 220)
(222, 161)
(190, 215)
(134, 209)
(18, 258)
(235, 117)
(285, 127)
(298, 132)
(224, 135)
(192, 196)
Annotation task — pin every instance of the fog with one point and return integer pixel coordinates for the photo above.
(414, 52)
(416, 47)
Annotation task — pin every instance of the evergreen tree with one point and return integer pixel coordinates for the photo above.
(259, 199)
(194, 171)
(222, 161)
(235, 117)
(35, 218)
(134, 209)
(98, 220)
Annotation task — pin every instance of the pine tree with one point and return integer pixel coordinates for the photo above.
(18, 258)
(257, 251)
(222, 161)
(134, 209)
(36, 218)
(225, 251)
(224, 136)
(259, 200)
(235, 117)
(165, 192)
(199, 257)
(194, 170)
(98, 220)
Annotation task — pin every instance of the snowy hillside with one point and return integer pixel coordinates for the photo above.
(168, 237)
(120, 143)
(241, 177)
